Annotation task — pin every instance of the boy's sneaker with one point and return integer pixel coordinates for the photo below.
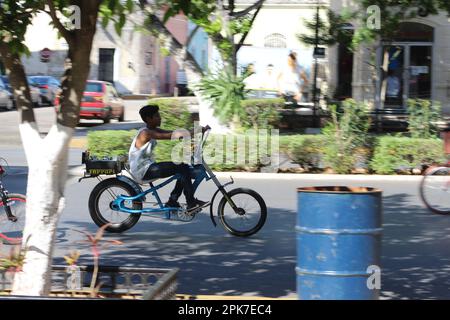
(197, 204)
(172, 204)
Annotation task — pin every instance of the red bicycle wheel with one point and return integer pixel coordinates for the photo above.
(435, 190)
(11, 232)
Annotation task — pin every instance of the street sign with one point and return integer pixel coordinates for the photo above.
(319, 53)
(45, 55)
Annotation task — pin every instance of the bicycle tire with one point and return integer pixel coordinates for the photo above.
(99, 217)
(431, 181)
(12, 232)
(226, 220)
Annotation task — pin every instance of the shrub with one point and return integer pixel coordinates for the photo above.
(174, 113)
(396, 153)
(225, 91)
(305, 150)
(262, 113)
(117, 143)
(345, 135)
(110, 142)
(423, 118)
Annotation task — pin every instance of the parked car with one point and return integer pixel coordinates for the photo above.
(49, 87)
(101, 101)
(6, 98)
(34, 91)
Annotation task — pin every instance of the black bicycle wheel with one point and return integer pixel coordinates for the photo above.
(102, 212)
(435, 190)
(250, 215)
(11, 232)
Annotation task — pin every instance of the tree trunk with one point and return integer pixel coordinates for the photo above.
(47, 161)
(47, 157)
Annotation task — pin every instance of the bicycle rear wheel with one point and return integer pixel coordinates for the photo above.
(435, 190)
(250, 215)
(11, 232)
(100, 208)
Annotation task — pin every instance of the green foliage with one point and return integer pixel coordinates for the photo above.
(394, 153)
(346, 133)
(15, 17)
(110, 142)
(261, 113)
(330, 31)
(174, 113)
(226, 91)
(423, 118)
(305, 150)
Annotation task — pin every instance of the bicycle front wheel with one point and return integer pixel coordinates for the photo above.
(435, 190)
(101, 210)
(248, 217)
(11, 231)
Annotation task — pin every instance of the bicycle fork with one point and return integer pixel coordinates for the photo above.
(221, 189)
(4, 197)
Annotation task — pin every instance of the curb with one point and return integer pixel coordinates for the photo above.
(79, 170)
(319, 176)
(78, 143)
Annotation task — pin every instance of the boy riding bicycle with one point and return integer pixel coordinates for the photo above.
(144, 167)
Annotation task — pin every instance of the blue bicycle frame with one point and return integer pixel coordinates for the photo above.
(198, 172)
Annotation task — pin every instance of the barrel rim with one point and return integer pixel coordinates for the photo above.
(340, 190)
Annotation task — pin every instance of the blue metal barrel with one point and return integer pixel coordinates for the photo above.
(338, 243)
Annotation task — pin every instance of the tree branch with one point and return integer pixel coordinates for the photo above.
(244, 12)
(64, 32)
(242, 40)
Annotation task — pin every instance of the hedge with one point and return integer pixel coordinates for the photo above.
(117, 143)
(262, 113)
(394, 154)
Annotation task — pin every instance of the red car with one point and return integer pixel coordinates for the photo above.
(101, 101)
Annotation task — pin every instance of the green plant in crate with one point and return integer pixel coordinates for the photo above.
(423, 118)
(346, 133)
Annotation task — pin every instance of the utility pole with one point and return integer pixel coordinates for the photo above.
(316, 67)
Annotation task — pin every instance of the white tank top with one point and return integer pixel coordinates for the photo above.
(140, 159)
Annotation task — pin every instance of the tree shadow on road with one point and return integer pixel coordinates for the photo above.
(415, 251)
(210, 260)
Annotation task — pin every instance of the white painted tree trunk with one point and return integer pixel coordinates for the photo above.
(47, 159)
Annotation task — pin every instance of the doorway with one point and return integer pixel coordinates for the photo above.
(106, 65)
(407, 73)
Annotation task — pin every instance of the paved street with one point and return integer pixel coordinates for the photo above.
(415, 247)
(415, 250)
(45, 117)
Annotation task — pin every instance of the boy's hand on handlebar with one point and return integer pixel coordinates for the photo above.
(204, 129)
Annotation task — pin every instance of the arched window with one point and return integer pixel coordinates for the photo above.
(275, 40)
(415, 32)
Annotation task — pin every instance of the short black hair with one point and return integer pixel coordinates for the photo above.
(148, 111)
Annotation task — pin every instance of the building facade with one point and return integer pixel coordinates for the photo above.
(417, 60)
(132, 61)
